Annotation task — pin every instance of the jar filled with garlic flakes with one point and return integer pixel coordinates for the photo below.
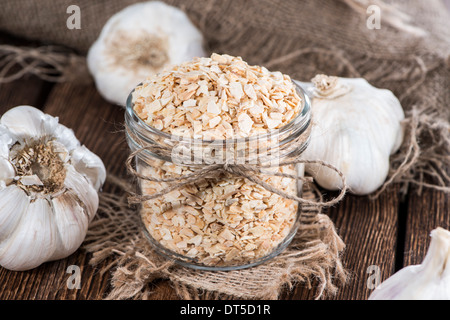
(209, 137)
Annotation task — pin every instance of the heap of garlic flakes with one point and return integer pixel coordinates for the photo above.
(217, 98)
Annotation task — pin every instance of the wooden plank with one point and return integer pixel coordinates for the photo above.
(27, 91)
(369, 230)
(425, 212)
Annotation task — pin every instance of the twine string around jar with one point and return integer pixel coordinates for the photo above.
(248, 171)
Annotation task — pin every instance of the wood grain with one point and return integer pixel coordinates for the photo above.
(28, 91)
(369, 230)
(425, 212)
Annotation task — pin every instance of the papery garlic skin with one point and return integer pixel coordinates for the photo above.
(140, 41)
(46, 204)
(427, 281)
(356, 127)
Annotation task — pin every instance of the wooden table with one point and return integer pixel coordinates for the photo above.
(388, 233)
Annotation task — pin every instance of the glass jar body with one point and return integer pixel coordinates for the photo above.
(221, 221)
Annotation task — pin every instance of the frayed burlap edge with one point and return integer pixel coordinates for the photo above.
(312, 259)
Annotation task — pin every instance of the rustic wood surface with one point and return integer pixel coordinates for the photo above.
(388, 233)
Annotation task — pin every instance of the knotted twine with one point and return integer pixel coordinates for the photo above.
(248, 171)
(49, 63)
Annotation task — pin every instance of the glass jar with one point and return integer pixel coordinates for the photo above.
(221, 221)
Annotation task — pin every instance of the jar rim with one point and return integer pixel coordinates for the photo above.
(301, 121)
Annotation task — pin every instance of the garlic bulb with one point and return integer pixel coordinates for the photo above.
(427, 281)
(48, 189)
(140, 41)
(356, 128)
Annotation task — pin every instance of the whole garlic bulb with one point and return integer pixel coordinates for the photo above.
(427, 281)
(140, 41)
(48, 189)
(356, 128)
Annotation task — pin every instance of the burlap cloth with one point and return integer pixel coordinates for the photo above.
(409, 55)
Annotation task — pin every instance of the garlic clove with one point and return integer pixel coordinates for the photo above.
(90, 165)
(81, 186)
(427, 281)
(66, 137)
(22, 251)
(25, 122)
(7, 171)
(438, 255)
(350, 149)
(13, 202)
(71, 222)
(61, 150)
(140, 41)
(5, 142)
(32, 180)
